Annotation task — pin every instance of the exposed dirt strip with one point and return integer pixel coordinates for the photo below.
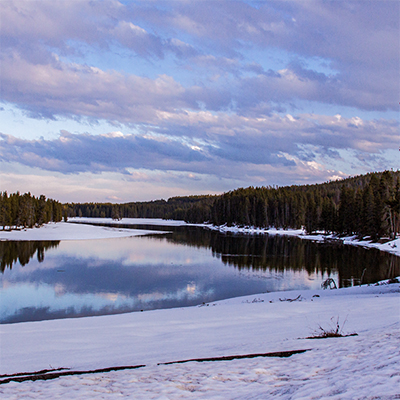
(43, 371)
(228, 358)
(51, 374)
(35, 376)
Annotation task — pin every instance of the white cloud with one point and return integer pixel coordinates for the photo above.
(200, 89)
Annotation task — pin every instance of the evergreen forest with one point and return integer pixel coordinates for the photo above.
(27, 211)
(365, 205)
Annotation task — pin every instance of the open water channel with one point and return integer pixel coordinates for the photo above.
(187, 266)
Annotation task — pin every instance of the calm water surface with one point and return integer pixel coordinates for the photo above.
(59, 279)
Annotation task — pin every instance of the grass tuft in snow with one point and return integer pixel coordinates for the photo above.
(333, 331)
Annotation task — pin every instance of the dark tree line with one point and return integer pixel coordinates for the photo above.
(178, 208)
(365, 205)
(25, 210)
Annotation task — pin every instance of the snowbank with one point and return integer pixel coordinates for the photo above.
(130, 221)
(68, 231)
(363, 366)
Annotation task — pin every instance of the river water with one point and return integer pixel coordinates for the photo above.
(187, 266)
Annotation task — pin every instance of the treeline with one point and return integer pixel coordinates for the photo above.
(365, 205)
(192, 208)
(25, 210)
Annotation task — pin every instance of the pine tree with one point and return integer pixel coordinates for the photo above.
(368, 210)
(311, 214)
(328, 215)
(347, 217)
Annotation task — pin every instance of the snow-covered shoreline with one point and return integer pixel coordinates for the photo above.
(362, 367)
(70, 231)
(208, 330)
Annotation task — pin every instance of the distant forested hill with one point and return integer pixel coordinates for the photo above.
(366, 205)
(195, 209)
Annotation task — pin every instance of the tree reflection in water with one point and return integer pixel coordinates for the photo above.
(12, 252)
(281, 253)
(276, 253)
(185, 267)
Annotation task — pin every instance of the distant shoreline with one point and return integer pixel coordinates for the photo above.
(392, 246)
(84, 228)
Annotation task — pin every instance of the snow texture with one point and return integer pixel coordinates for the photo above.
(131, 221)
(353, 367)
(69, 231)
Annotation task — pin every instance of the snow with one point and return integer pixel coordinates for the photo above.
(68, 231)
(130, 221)
(392, 246)
(352, 367)
(363, 366)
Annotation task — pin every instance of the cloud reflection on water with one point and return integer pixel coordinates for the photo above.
(181, 269)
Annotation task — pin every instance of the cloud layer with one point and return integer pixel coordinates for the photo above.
(235, 91)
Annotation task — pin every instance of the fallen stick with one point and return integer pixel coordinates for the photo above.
(290, 300)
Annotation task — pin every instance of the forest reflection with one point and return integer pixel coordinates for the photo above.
(22, 252)
(184, 267)
(276, 253)
(281, 253)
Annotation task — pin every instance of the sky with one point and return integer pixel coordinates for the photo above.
(141, 100)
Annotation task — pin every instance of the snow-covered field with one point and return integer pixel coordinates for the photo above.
(68, 231)
(365, 366)
(131, 221)
(355, 367)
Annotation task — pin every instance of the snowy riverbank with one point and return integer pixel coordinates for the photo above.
(69, 231)
(353, 367)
